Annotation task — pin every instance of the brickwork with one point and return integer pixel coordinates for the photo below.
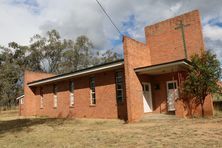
(29, 106)
(208, 108)
(163, 44)
(106, 105)
(166, 42)
(159, 96)
(136, 54)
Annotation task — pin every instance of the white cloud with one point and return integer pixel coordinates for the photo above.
(16, 24)
(76, 17)
(213, 32)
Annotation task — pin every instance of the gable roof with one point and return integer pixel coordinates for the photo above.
(89, 70)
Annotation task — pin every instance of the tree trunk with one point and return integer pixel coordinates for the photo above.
(190, 109)
(202, 109)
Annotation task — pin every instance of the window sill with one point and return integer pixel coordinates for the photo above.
(71, 106)
(41, 108)
(54, 107)
(92, 105)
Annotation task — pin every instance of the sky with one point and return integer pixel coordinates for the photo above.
(21, 19)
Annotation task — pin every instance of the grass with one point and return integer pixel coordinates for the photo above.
(152, 131)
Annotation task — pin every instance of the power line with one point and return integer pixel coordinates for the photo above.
(109, 17)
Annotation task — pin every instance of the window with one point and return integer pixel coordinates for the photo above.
(41, 97)
(55, 98)
(157, 86)
(92, 92)
(145, 87)
(119, 86)
(172, 85)
(71, 90)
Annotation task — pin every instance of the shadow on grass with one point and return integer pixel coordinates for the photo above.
(17, 125)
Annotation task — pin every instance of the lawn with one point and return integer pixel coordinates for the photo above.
(152, 131)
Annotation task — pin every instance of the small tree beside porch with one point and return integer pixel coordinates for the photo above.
(201, 81)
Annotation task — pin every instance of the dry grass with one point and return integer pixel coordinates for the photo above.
(152, 131)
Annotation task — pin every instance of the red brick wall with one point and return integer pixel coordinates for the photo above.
(181, 110)
(159, 96)
(136, 54)
(106, 105)
(163, 44)
(28, 108)
(166, 42)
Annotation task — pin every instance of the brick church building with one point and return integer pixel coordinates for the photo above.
(146, 81)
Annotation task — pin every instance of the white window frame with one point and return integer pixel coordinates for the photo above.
(172, 81)
(71, 90)
(55, 97)
(92, 93)
(41, 98)
(21, 100)
(119, 83)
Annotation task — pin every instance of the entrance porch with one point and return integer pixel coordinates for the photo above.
(160, 85)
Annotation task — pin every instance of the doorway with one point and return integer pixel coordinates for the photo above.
(172, 94)
(147, 98)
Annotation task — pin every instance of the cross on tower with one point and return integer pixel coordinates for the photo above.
(182, 26)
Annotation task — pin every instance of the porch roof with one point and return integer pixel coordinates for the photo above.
(179, 65)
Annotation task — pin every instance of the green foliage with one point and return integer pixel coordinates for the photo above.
(9, 77)
(77, 55)
(110, 56)
(203, 77)
(45, 53)
(48, 54)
